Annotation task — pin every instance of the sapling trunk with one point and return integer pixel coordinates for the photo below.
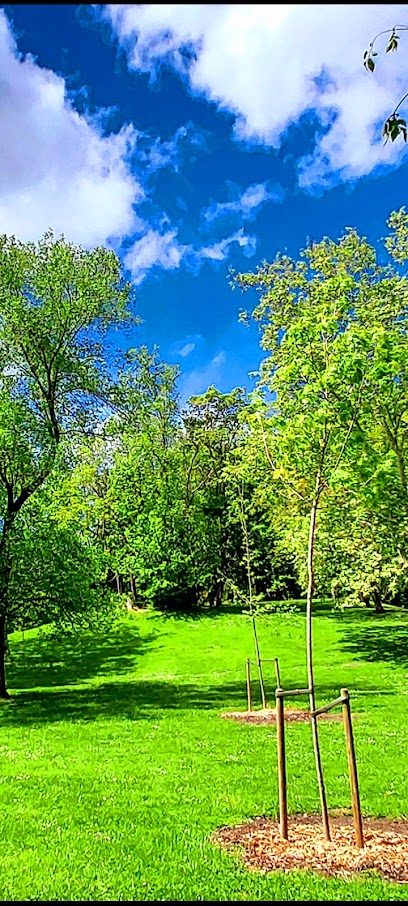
(3, 646)
(5, 570)
(309, 653)
(250, 596)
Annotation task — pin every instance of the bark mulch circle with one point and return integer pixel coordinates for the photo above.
(261, 848)
(268, 716)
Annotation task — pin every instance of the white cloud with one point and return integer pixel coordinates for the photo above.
(160, 154)
(185, 345)
(56, 167)
(218, 251)
(158, 249)
(154, 249)
(269, 64)
(187, 349)
(246, 204)
(199, 380)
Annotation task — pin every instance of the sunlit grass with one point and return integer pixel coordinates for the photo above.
(115, 765)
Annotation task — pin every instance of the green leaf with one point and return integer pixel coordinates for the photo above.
(368, 61)
(394, 127)
(392, 43)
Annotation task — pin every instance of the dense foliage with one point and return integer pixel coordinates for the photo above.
(112, 492)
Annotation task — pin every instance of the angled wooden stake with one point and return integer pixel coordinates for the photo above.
(351, 755)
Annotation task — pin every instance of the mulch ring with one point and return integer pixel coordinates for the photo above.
(262, 849)
(268, 716)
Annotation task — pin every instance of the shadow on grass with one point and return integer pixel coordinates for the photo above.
(45, 661)
(201, 611)
(136, 700)
(382, 642)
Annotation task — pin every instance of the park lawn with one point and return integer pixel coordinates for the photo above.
(116, 766)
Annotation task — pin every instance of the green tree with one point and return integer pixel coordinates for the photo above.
(56, 302)
(212, 427)
(57, 575)
(314, 374)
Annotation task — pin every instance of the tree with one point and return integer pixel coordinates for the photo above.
(56, 575)
(56, 302)
(211, 430)
(315, 376)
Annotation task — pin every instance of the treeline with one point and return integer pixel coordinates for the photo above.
(112, 492)
(150, 506)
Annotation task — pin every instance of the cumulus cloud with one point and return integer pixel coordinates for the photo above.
(247, 204)
(57, 169)
(154, 249)
(162, 249)
(270, 64)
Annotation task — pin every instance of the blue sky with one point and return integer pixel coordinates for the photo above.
(195, 138)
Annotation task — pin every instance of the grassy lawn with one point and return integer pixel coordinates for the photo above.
(115, 765)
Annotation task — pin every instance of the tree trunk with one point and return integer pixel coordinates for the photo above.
(309, 652)
(5, 570)
(218, 593)
(132, 587)
(244, 527)
(3, 649)
(378, 606)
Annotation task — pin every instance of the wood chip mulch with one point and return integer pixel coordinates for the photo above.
(268, 716)
(262, 849)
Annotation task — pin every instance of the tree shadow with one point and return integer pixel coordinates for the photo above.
(382, 642)
(69, 660)
(204, 610)
(368, 615)
(133, 700)
(137, 700)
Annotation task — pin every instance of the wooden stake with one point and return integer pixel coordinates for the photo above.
(280, 739)
(277, 673)
(351, 755)
(248, 683)
(309, 654)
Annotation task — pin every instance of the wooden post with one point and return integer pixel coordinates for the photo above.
(248, 683)
(262, 685)
(277, 673)
(351, 755)
(280, 739)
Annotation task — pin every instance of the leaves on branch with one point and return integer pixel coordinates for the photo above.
(368, 61)
(393, 127)
(393, 42)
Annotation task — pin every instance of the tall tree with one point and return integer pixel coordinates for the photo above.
(212, 427)
(56, 302)
(315, 375)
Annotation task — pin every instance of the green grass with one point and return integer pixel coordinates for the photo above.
(115, 765)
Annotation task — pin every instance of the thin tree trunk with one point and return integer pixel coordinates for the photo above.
(3, 647)
(250, 591)
(5, 570)
(132, 587)
(219, 591)
(309, 651)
